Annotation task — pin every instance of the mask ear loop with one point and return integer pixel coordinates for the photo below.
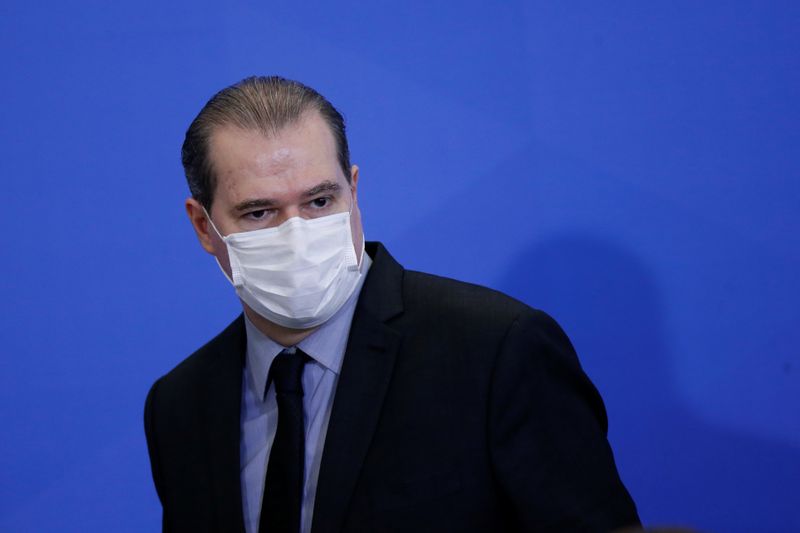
(208, 217)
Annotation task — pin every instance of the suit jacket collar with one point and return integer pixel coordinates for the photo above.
(382, 295)
(364, 380)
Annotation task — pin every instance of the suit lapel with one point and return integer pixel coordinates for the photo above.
(223, 411)
(363, 382)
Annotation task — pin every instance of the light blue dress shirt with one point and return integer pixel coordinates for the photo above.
(325, 347)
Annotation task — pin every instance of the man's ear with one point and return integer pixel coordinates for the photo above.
(354, 181)
(197, 216)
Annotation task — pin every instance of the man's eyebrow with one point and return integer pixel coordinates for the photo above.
(325, 186)
(262, 203)
(251, 204)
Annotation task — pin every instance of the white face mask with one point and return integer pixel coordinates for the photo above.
(297, 274)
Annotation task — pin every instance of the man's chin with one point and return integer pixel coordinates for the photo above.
(280, 334)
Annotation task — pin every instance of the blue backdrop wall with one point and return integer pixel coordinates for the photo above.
(630, 167)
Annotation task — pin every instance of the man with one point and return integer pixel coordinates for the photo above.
(353, 395)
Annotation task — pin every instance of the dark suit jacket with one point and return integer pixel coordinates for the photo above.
(457, 409)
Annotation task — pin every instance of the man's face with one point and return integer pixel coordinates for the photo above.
(264, 181)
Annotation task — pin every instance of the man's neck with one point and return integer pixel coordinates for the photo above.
(282, 335)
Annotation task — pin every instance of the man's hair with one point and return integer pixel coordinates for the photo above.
(265, 104)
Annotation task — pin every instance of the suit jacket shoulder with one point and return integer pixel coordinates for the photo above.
(442, 306)
(226, 349)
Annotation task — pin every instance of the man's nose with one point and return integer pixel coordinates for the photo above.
(290, 211)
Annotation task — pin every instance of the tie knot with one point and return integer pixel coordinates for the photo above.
(287, 370)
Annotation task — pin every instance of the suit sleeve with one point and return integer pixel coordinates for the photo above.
(547, 433)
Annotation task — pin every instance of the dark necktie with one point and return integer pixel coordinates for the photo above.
(283, 488)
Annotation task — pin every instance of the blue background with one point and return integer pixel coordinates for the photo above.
(630, 167)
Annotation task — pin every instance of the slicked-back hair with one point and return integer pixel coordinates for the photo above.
(266, 104)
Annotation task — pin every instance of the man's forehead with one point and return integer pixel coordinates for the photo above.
(301, 143)
(229, 141)
(250, 166)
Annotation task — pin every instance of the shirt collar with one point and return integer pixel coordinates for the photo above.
(326, 345)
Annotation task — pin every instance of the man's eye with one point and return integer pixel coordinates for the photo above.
(320, 202)
(261, 213)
